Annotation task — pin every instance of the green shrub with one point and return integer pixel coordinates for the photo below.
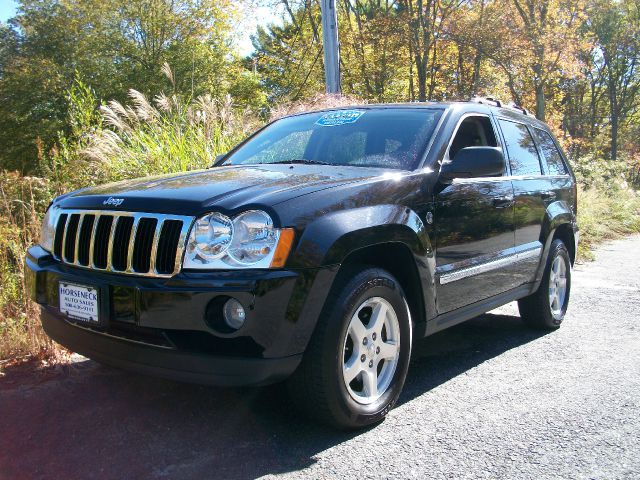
(604, 214)
(22, 202)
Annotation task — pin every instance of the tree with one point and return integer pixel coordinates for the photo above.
(426, 20)
(113, 45)
(534, 43)
(288, 58)
(616, 28)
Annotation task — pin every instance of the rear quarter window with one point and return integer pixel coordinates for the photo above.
(550, 152)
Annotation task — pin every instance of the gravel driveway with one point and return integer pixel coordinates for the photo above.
(485, 399)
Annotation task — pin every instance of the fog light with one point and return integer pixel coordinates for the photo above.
(233, 313)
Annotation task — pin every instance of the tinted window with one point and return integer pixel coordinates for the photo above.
(550, 153)
(389, 138)
(523, 155)
(473, 132)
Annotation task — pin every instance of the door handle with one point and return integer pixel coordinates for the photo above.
(503, 201)
(548, 195)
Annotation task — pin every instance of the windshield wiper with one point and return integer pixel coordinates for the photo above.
(302, 161)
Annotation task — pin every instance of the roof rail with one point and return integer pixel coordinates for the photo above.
(487, 101)
(514, 106)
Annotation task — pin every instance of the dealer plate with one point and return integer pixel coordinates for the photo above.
(79, 302)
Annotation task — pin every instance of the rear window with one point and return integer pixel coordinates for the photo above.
(523, 155)
(550, 152)
(388, 138)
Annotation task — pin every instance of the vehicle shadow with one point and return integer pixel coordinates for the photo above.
(93, 421)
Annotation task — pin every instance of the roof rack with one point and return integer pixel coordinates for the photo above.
(514, 106)
(497, 103)
(487, 101)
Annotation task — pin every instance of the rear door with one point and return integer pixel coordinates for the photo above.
(532, 194)
(474, 226)
(559, 184)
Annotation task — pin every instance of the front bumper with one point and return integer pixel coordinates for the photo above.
(163, 327)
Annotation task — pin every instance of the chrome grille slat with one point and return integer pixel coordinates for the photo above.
(92, 240)
(132, 237)
(71, 237)
(64, 236)
(154, 246)
(143, 240)
(112, 235)
(181, 245)
(76, 260)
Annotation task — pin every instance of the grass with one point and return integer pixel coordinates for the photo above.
(605, 215)
(21, 198)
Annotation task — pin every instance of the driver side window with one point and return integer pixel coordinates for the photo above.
(474, 131)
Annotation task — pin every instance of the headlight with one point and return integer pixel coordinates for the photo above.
(48, 231)
(211, 236)
(249, 240)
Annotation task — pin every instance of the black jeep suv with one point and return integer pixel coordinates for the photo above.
(316, 251)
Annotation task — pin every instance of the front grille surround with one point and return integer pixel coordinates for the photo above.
(82, 236)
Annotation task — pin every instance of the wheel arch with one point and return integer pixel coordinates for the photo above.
(560, 223)
(397, 259)
(331, 238)
(565, 233)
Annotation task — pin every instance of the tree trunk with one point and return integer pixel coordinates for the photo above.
(540, 101)
(615, 122)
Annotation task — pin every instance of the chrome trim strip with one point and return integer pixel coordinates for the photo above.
(132, 241)
(186, 228)
(92, 240)
(527, 254)
(187, 221)
(112, 235)
(64, 236)
(514, 178)
(154, 246)
(490, 265)
(77, 250)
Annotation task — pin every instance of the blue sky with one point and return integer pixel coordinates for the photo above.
(7, 9)
(261, 15)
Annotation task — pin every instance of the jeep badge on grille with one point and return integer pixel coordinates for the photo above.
(116, 202)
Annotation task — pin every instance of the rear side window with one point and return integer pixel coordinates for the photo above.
(523, 155)
(550, 152)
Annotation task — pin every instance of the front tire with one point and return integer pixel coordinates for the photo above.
(356, 363)
(546, 308)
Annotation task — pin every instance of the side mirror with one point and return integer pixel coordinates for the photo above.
(472, 162)
(218, 159)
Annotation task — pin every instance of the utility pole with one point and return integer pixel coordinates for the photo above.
(330, 45)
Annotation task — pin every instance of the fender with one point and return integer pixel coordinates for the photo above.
(328, 240)
(558, 213)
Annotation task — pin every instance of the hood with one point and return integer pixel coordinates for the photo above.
(227, 188)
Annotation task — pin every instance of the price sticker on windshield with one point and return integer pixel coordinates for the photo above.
(339, 117)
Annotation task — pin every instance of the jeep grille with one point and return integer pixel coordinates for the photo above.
(131, 243)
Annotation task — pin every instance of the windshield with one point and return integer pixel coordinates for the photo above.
(383, 137)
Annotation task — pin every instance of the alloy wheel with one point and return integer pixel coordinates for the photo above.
(557, 287)
(371, 350)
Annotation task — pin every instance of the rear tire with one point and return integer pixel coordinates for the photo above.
(546, 308)
(356, 362)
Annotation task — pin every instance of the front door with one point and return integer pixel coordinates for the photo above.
(474, 220)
